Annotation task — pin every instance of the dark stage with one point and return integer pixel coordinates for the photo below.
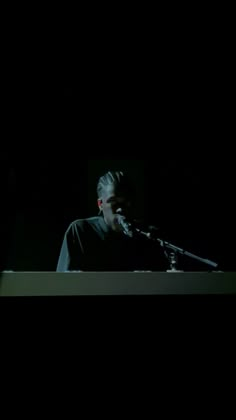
(49, 175)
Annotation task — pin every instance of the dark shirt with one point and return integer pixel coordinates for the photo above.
(90, 245)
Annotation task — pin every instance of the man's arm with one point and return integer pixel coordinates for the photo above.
(64, 257)
(70, 257)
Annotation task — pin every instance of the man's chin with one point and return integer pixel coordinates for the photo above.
(116, 226)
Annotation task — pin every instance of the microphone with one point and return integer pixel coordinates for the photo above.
(142, 227)
(136, 227)
(132, 227)
(126, 226)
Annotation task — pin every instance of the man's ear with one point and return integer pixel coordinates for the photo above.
(99, 204)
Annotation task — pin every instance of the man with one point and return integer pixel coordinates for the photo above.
(110, 241)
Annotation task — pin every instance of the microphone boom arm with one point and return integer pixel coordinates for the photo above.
(176, 249)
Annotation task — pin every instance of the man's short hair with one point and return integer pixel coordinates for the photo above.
(117, 178)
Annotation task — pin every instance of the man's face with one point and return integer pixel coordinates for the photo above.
(114, 201)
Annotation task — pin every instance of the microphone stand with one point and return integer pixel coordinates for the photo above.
(175, 250)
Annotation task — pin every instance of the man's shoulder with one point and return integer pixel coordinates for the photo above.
(85, 224)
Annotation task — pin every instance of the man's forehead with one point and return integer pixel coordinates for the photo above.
(112, 190)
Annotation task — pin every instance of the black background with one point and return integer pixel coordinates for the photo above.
(168, 122)
(163, 80)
